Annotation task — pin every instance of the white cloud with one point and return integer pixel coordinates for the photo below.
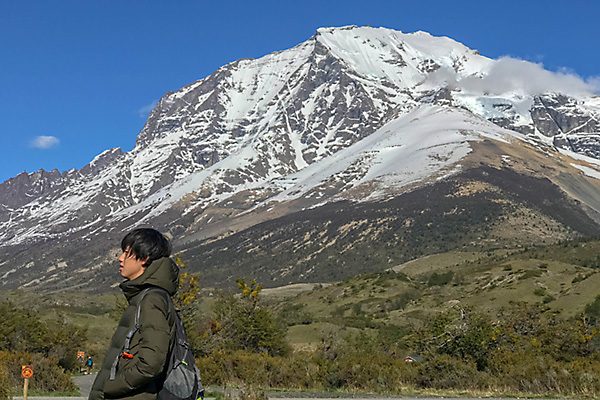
(509, 74)
(44, 142)
(594, 82)
(145, 110)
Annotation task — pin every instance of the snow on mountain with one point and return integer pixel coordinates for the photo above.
(349, 107)
(402, 59)
(287, 99)
(413, 147)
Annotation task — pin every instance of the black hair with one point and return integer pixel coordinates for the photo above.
(146, 242)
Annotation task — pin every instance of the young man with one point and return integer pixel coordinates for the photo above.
(139, 373)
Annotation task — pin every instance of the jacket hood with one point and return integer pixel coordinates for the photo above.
(163, 273)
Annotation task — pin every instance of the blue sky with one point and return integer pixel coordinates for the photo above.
(77, 77)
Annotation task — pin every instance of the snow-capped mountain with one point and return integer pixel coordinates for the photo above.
(353, 113)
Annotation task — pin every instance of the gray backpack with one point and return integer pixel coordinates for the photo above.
(182, 378)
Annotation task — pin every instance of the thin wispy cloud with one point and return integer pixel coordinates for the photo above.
(510, 74)
(145, 110)
(44, 142)
(595, 83)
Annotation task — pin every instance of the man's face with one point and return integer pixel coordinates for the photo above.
(130, 267)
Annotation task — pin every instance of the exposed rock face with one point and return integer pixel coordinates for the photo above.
(19, 190)
(294, 129)
(557, 114)
(584, 144)
(571, 125)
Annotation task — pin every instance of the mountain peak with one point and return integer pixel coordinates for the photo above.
(421, 40)
(355, 29)
(328, 29)
(102, 160)
(403, 60)
(353, 113)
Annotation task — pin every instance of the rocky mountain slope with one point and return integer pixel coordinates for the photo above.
(354, 120)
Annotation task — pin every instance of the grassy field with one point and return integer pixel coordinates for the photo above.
(564, 277)
(561, 278)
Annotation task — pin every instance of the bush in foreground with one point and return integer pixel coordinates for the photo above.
(5, 383)
(48, 375)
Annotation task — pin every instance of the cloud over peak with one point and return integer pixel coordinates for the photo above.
(44, 142)
(508, 74)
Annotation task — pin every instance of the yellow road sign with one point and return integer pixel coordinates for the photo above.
(26, 371)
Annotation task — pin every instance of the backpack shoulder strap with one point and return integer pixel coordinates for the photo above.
(136, 323)
(136, 326)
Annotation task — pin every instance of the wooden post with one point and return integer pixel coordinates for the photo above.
(25, 387)
(26, 373)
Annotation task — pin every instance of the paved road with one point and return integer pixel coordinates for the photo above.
(49, 398)
(85, 383)
(306, 398)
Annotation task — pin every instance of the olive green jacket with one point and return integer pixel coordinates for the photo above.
(140, 377)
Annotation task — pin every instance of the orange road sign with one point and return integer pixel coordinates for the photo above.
(26, 371)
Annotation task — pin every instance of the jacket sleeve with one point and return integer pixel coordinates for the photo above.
(151, 356)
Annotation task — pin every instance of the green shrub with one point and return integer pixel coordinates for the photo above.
(464, 334)
(592, 311)
(440, 279)
(5, 383)
(365, 371)
(446, 372)
(18, 324)
(528, 372)
(584, 377)
(531, 273)
(548, 298)
(48, 376)
(295, 315)
(400, 301)
(239, 323)
(23, 331)
(248, 368)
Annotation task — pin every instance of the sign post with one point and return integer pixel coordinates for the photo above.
(80, 359)
(26, 373)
